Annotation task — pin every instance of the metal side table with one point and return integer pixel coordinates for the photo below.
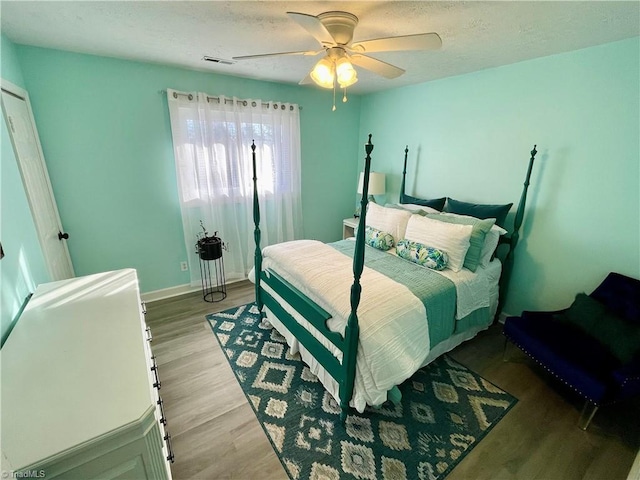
(214, 286)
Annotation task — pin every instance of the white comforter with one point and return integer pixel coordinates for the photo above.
(394, 333)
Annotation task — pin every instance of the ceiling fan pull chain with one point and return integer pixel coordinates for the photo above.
(344, 95)
(334, 97)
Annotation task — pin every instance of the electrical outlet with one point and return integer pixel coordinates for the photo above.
(184, 266)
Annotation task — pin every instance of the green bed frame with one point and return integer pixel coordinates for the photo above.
(342, 372)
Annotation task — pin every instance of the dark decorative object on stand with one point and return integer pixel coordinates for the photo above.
(209, 250)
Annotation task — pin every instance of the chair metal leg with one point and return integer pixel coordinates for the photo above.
(588, 411)
(504, 352)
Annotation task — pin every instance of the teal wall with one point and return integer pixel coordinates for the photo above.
(23, 267)
(105, 132)
(470, 136)
(10, 64)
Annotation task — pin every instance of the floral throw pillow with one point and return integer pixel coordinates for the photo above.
(378, 239)
(422, 255)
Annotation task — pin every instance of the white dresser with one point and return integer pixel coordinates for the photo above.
(80, 391)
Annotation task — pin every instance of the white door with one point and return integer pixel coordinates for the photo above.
(26, 145)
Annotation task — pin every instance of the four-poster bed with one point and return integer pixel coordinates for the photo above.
(362, 342)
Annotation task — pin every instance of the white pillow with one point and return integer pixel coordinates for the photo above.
(413, 208)
(389, 220)
(449, 237)
(490, 244)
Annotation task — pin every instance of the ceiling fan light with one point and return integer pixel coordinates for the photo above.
(344, 83)
(345, 72)
(323, 73)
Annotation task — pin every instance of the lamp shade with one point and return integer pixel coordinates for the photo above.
(345, 73)
(323, 73)
(376, 183)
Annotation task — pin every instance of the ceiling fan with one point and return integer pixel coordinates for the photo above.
(334, 31)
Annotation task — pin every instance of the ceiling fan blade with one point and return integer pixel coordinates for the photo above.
(421, 41)
(376, 66)
(263, 55)
(314, 26)
(306, 80)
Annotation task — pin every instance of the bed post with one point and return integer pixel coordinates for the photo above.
(257, 269)
(352, 331)
(404, 174)
(512, 240)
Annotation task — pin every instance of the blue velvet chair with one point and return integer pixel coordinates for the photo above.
(593, 346)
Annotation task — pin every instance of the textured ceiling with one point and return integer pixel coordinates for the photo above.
(475, 35)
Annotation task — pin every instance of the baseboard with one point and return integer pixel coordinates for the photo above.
(169, 292)
(174, 291)
(503, 316)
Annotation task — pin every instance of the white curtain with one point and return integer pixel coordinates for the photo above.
(212, 139)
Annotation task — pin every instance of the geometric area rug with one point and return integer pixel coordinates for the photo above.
(445, 410)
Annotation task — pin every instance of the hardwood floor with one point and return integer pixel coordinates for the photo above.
(217, 436)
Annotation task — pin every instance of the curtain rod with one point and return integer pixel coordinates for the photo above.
(228, 100)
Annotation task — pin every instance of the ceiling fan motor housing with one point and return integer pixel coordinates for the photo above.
(340, 25)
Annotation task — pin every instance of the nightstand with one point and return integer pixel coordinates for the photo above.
(348, 226)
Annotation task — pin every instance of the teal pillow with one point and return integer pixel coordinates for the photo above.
(437, 203)
(499, 212)
(478, 234)
(584, 313)
(619, 336)
(422, 255)
(378, 239)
